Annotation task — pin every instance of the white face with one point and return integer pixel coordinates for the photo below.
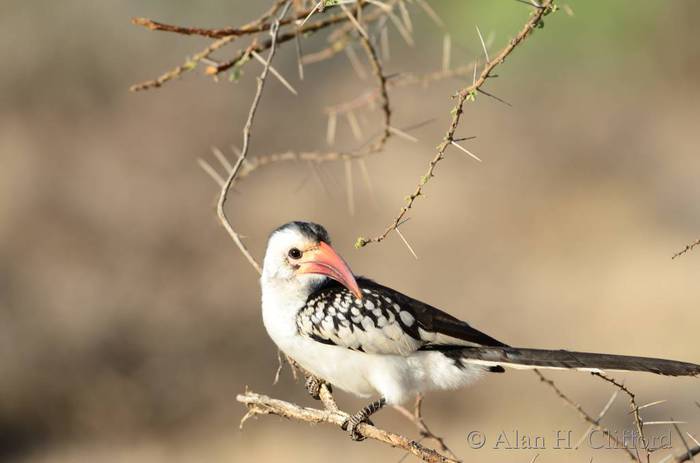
(283, 256)
(299, 259)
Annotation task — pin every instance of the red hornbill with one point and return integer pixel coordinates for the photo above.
(370, 340)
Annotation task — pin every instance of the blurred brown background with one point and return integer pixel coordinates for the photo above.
(128, 320)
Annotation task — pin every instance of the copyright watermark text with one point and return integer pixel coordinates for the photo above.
(515, 439)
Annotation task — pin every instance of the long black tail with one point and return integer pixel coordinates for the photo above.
(514, 357)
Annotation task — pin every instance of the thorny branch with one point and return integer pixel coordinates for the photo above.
(262, 405)
(252, 27)
(417, 418)
(634, 408)
(221, 212)
(467, 93)
(228, 35)
(595, 422)
(688, 247)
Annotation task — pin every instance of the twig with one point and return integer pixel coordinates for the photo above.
(586, 417)
(383, 94)
(284, 37)
(599, 418)
(688, 451)
(467, 93)
(688, 247)
(402, 80)
(253, 27)
(226, 36)
(416, 417)
(190, 64)
(633, 406)
(262, 405)
(220, 211)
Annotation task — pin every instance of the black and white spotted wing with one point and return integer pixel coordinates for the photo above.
(384, 321)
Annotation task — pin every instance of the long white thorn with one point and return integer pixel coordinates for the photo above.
(693, 438)
(649, 423)
(355, 62)
(431, 13)
(466, 150)
(274, 72)
(381, 5)
(354, 21)
(354, 125)
(483, 44)
(405, 241)
(446, 52)
(350, 186)
(402, 30)
(332, 124)
(406, 16)
(651, 404)
(228, 167)
(384, 42)
(602, 414)
(403, 134)
(367, 179)
(313, 10)
(206, 167)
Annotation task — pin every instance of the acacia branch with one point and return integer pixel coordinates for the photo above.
(253, 27)
(595, 423)
(467, 93)
(227, 35)
(191, 63)
(634, 408)
(259, 404)
(381, 90)
(417, 418)
(220, 210)
(688, 247)
(402, 80)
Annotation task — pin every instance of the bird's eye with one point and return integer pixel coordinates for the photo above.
(294, 253)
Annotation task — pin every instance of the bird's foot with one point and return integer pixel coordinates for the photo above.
(313, 386)
(362, 417)
(353, 421)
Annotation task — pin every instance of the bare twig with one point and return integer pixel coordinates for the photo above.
(262, 405)
(402, 80)
(688, 247)
(383, 94)
(599, 418)
(633, 406)
(586, 417)
(252, 27)
(467, 93)
(688, 450)
(416, 417)
(220, 211)
(228, 35)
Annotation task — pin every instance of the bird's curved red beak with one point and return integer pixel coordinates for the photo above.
(323, 260)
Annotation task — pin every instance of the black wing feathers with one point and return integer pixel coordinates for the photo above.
(384, 321)
(433, 319)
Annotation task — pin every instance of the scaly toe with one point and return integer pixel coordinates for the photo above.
(351, 425)
(313, 387)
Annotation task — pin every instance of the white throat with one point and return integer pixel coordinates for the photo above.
(281, 300)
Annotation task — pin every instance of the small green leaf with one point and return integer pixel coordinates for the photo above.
(189, 65)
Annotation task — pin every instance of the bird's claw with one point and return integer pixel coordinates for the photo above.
(351, 423)
(313, 386)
